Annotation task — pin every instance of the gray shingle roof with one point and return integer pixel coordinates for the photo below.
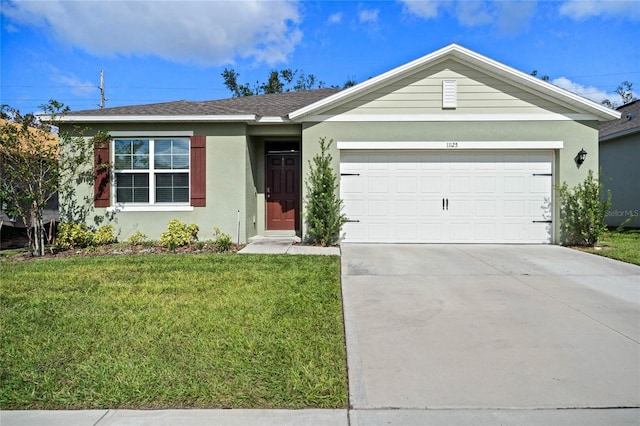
(272, 105)
(628, 122)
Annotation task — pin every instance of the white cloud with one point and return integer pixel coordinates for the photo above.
(423, 8)
(76, 85)
(204, 32)
(472, 14)
(584, 9)
(514, 16)
(368, 16)
(336, 18)
(589, 92)
(511, 16)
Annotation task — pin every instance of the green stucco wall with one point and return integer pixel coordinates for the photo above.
(229, 187)
(574, 135)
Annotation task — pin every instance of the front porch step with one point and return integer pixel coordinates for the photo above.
(274, 239)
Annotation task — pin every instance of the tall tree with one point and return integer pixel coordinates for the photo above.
(625, 91)
(286, 80)
(36, 164)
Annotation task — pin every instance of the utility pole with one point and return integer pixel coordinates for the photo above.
(102, 98)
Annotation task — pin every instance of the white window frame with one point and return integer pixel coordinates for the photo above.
(151, 172)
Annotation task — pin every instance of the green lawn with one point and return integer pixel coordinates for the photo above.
(623, 246)
(165, 331)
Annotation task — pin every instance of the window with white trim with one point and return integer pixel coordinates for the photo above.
(151, 171)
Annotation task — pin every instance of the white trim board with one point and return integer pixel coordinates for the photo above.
(448, 117)
(449, 145)
(150, 133)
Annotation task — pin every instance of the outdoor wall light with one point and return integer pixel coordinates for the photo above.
(582, 155)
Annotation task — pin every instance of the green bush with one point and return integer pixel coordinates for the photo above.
(223, 241)
(72, 235)
(324, 206)
(103, 236)
(583, 210)
(137, 239)
(178, 234)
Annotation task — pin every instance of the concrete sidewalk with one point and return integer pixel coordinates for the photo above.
(375, 417)
(285, 245)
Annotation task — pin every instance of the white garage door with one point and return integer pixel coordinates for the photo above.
(456, 197)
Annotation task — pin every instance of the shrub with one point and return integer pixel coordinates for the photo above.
(137, 239)
(583, 210)
(72, 235)
(324, 207)
(223, 241)
(103, 236)
(178, 234)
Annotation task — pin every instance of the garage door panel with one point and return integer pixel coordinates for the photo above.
(407, 208)
(378, 207)
(407, 184)
(514, 208)
(492, 196)
(485, 232)
(432, 184)
(485, 208)
(485, 184)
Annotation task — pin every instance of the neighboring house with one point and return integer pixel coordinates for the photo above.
(452, 147)
(619, 161)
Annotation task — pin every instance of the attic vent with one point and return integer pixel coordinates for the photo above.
(631, 116)
(449, 93)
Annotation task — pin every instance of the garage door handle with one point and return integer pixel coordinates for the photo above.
(352, 220)
(349, 174)
(542, 221)
(443, 204)
(447, 204)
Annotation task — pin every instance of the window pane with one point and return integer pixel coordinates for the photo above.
(172, 188)
(163, 161)
(122, 146)
(123, 162)
(141, 162)
(164, 180)
(171, 154)
(180, 161)
(181, 179)
(131, 154)
(132, 188)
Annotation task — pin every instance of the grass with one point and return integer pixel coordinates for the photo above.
(168, 331)
(624, 246)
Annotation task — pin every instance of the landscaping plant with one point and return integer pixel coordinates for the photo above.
(583, 210)
(222, 241)
(324, 207)
(179, 234)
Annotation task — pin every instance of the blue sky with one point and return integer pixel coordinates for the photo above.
(157, 51)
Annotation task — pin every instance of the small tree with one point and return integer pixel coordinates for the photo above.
(324, 216)
(35, 165)
(583, 210)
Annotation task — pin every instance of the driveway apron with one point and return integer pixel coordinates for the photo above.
(490, 327)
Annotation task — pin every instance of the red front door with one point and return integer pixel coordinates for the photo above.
(283, 191)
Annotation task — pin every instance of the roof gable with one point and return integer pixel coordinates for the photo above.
(517, 89)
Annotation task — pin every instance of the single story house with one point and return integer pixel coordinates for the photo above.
(619, 160)
(451, 147)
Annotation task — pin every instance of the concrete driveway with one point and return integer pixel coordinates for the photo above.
(490, 327)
